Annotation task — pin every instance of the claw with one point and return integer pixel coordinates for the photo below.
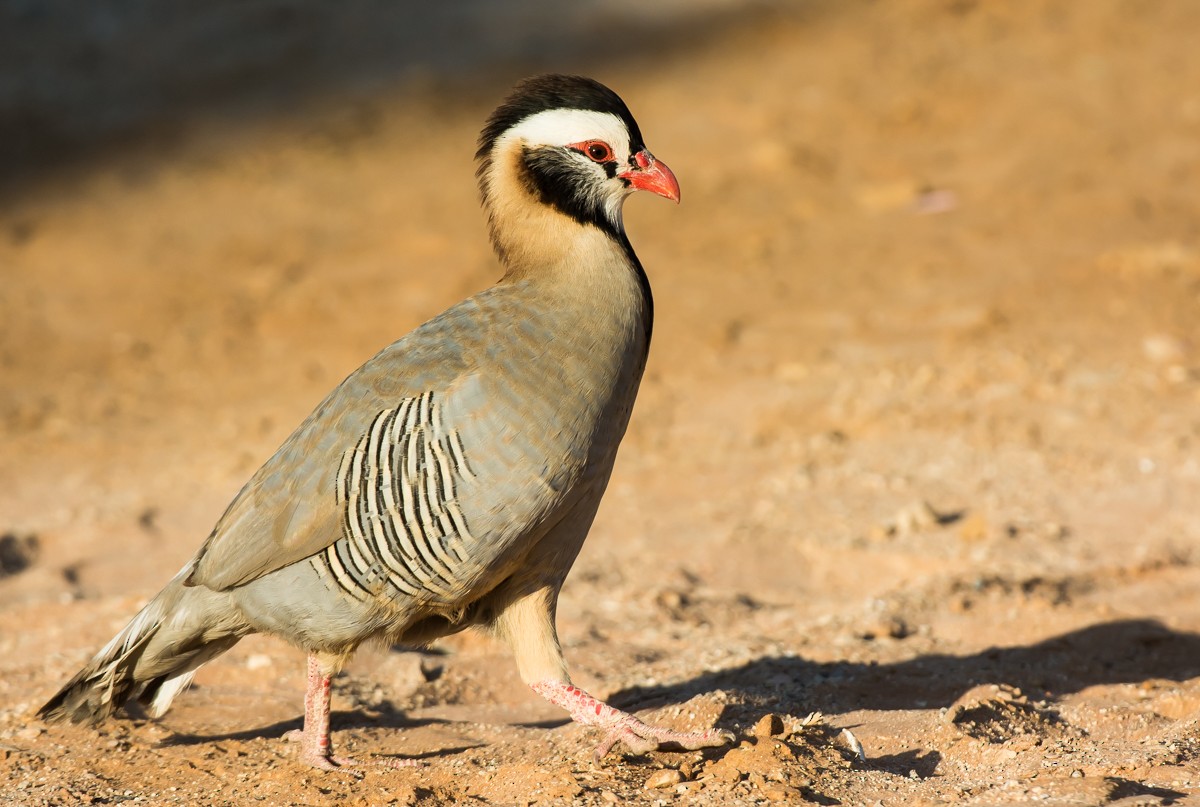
(638, 737)
(331, 762)
(642, 738)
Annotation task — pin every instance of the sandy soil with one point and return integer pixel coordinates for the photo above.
(914, 469)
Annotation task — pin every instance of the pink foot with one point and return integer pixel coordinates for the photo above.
(327, 761)
(623, 727)
(315, 748)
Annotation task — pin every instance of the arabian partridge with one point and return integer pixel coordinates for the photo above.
(450, 481)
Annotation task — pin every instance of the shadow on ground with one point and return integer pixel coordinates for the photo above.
(1111, 653)
(1127, 651)
(341, 721)
(81, 79)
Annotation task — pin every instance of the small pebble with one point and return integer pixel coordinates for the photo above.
(782, 793)
(1162, 348)
(667, 777)
(916, 517)
(769, 725)
(851, 742)
(258, 661)
(932, 201)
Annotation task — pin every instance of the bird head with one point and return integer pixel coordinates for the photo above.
(569, 143)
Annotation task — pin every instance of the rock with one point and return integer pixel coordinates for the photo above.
(1161, 348)
(562, 785)
(769, 725)
(402, 673)
(1053, 531)
(891, 626)
(931, 201)
(667, 777)
(916, 517)
(1001, 714)
(852, 744)
(258, 661)
(783, 793)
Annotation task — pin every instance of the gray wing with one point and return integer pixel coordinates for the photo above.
(416, 473)
(288, 510)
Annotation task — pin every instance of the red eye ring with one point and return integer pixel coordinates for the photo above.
(596, 150)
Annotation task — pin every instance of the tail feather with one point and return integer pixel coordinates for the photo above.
(158, 693)
(153, 658)
(157, 699)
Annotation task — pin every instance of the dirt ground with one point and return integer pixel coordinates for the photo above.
(914, 468)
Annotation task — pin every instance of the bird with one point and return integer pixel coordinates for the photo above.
(450, 481)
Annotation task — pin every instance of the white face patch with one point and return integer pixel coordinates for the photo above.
(557, 128)
(562, 127)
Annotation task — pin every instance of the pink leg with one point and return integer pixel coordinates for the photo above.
(316, 748)
(622, 726)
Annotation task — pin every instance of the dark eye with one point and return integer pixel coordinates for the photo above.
(598, 150)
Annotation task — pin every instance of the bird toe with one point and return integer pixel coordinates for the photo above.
(641, 738)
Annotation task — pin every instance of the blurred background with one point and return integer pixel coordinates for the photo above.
(925, 375)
